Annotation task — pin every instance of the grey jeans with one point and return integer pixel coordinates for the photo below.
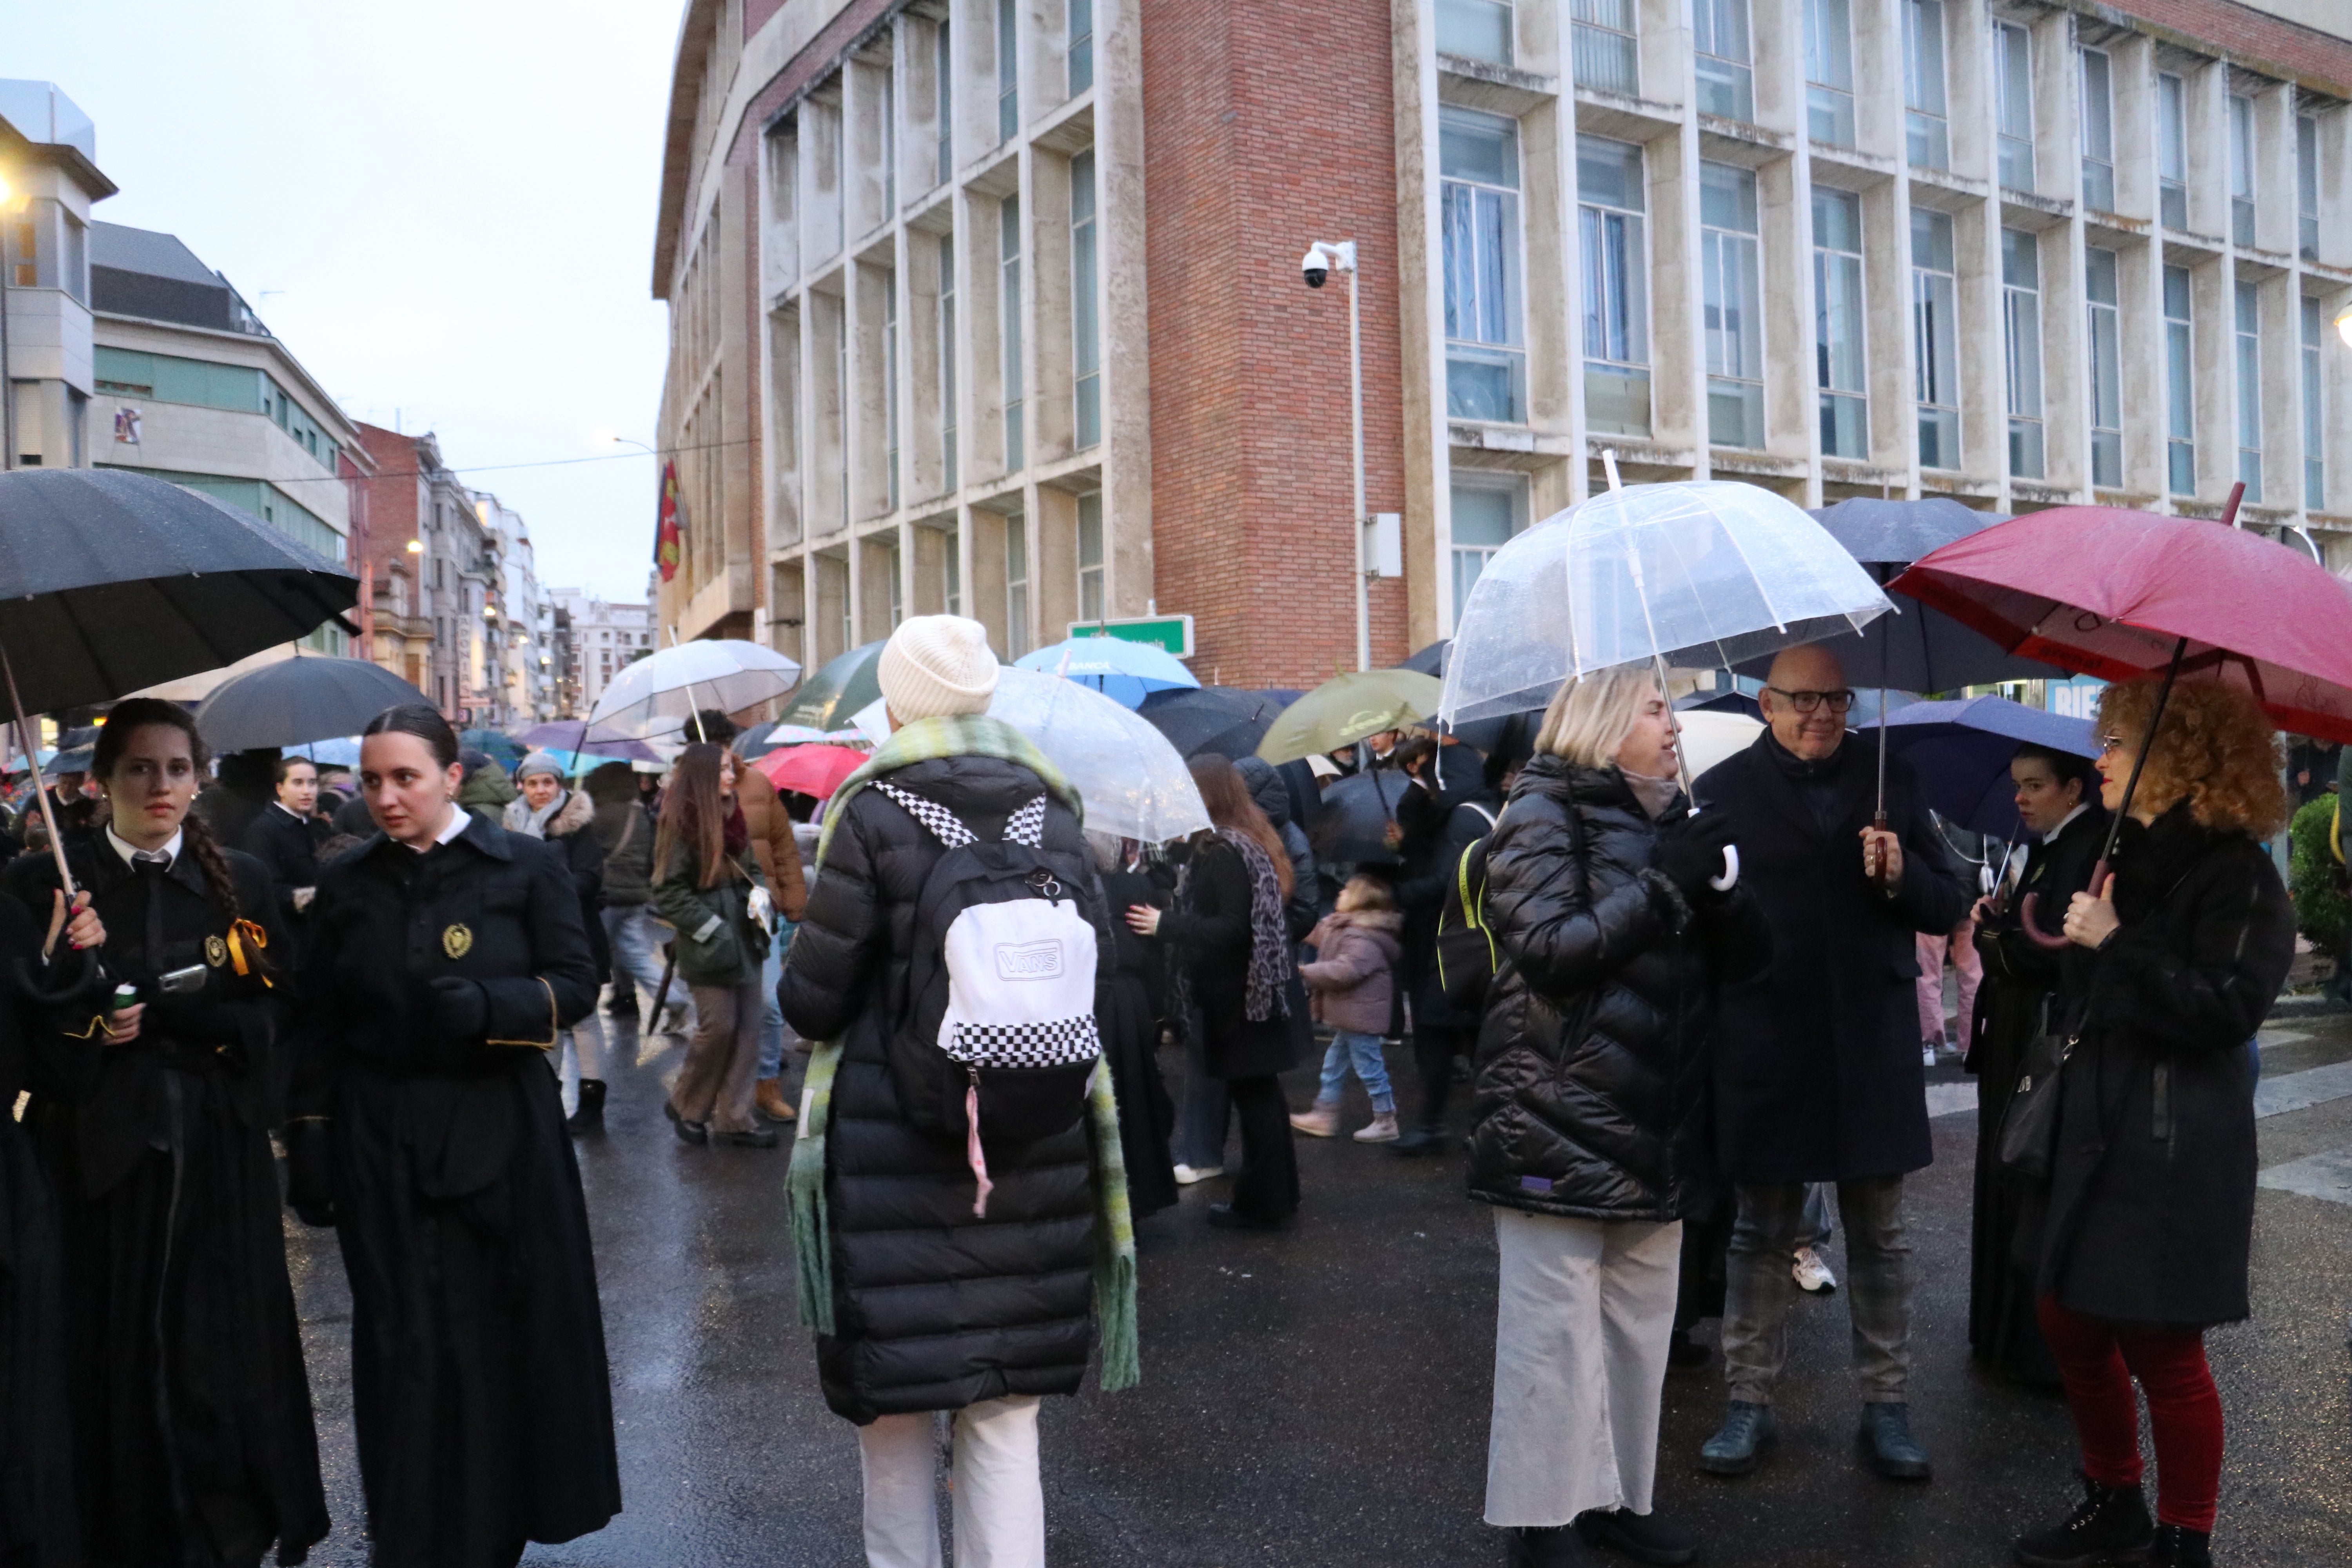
(1760, 1286)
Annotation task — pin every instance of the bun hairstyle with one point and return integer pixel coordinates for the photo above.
(426, 724)
(114, 738)
(285, 766)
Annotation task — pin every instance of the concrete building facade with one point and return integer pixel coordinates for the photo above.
(435, 573)
(48, 180)
(994, 305)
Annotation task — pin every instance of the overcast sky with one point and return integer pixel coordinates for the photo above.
(442, 207)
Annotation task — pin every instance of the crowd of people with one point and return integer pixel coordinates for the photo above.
(1702, 1018)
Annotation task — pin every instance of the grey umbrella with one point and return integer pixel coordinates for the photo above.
(298, 699)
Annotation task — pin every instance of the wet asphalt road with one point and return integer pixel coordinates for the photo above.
(1320, 1397)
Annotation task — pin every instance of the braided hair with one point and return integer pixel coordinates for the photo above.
(114, 738)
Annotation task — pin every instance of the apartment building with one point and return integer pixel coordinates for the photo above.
(995, 305)
(594, 639)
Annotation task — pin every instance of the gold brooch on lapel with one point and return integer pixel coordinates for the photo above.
(458, 941)
(216, 952)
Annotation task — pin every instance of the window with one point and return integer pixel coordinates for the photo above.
(891, 563)
(2307, 187)
(1016, 585)
(2172, 152)
(1081, 54)
(890, 385)
(1927, 138)
(951, 571)
(2314, 408)
(2020, 321)
(889, 105)
(1086, 330)
(2242, 169)
(1616, 293)
(2107, 369)
(1604, 53)
(1476, 29)
(1488, 510)
(943, 112)
(2098, 133)
(2013, 64)
(1733, 305)
(1829, 71)
(1935, 338)
(2179, 384)
(1008, 70)
(948, 359)
(2250, 389)
(1090, 557)
(1486, 359)
(28, 250)
(1839, 360)
(74, 275)
(1726, 75)
(1008, 318)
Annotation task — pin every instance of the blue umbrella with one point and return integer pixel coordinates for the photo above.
(1961, 751)
(1126, 672)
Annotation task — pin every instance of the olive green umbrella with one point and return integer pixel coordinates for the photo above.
(845, 686)
(1347, 708)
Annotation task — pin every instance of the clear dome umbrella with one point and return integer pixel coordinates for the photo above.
(661, 693)
(1134, 784)
(1703, 574)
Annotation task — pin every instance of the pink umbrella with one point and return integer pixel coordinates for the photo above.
(810, 769)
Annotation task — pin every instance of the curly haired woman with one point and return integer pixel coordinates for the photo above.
(2177, 958)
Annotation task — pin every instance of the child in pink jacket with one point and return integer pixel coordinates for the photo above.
(1352, 985)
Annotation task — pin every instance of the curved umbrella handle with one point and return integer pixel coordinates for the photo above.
(2025, 912)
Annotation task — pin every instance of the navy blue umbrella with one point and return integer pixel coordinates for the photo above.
(1961, 751)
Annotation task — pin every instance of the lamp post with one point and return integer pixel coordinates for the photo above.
(1323, 259)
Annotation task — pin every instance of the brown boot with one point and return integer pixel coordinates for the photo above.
(769, 1102)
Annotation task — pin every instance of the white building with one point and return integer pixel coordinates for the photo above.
(49, 179)
(594, 639)
(515, 618)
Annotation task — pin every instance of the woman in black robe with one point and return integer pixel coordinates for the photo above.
(1132, 989)
(38, 1527)
(445, 956)
(192, 1442)
(2058, 798)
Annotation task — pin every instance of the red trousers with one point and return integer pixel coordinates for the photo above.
(2099, 1360)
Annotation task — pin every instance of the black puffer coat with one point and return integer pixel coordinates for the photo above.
(933, 1309)
(1447, 812)
(1594, 1061)
(1210, 932)
(2152, 1198)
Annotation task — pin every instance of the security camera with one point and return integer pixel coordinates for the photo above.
(1315, 267)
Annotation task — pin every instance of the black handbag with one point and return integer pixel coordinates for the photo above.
(2029, 1128)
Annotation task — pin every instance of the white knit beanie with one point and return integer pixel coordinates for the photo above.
(934, 666)
(537, 762)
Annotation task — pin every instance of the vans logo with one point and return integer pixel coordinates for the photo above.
(1029, 960)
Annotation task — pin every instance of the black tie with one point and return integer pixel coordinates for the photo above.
(153, 869)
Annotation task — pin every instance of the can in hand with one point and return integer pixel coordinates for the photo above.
(126, 996)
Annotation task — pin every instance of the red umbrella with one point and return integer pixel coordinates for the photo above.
(810, 769)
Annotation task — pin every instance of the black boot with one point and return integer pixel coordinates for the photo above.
(589, 1117)
(2178, 1546)
(1417, 1141)
(1887, 1443)
(1557, 1546)
(1685, 1353)
(1644, 1537)
(2109, 1525)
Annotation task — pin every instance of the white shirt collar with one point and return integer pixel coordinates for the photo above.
(458, 817)
(171, 850)
(2064, 820)
(290, 811)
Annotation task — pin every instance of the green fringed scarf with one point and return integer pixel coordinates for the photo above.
(1114, 1267)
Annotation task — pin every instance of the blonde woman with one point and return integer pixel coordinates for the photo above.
(1589, 1136)
(2177, 958)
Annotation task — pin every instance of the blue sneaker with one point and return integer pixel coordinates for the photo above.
(1732, 1450)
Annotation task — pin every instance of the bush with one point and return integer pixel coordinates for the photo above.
(2315, 877)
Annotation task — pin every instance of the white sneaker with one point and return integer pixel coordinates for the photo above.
(1186, 1175)
(1813, 1276)
(1381, 1129)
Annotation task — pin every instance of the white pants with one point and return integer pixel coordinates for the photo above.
(1584, 1316)
(999, 1503)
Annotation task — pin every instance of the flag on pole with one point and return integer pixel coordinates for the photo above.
(666, 539)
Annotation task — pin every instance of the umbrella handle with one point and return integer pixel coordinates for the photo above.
(2025, 912)
(1877, 825)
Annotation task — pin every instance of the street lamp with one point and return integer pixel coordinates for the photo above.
(1323, 259)
(2343, 326)
(613, 439)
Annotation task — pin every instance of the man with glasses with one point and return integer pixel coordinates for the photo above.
(1818, 1074)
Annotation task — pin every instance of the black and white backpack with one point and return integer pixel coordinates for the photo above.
(998, 1038)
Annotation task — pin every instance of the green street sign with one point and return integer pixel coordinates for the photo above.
(1173, 632)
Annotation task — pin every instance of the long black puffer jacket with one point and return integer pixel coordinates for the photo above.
(1593, 1062)
(933, 1309)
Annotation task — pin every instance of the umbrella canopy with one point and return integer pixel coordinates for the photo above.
(1721, 702)
(760, 738)
(1961, 751)
(579, 737)
(1347, 708)
(840, 686)
(495, 744)
(298, 699)
(1708, 738)
(1705, 574)
(1350, 824)
(2106, 591)
(1225, 720)
(811, 770)
(72, 760)
(1133, 782)
(1430, 660)
(333, 751)
(111, 581)
(1126, 672)
(661, 693)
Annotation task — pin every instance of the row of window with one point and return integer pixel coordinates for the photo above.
(170, 378)
(1606, 56)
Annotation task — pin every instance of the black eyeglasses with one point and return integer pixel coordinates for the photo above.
(1808, 702)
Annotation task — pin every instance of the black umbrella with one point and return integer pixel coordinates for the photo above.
(112, 581)
(1430, 660)
(1350, 826)
(1225, 720)
(298, 699)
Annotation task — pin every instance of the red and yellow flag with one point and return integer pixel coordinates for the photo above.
(667, 539)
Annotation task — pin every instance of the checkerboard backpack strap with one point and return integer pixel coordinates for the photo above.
(1028, 826)
(945, 826)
